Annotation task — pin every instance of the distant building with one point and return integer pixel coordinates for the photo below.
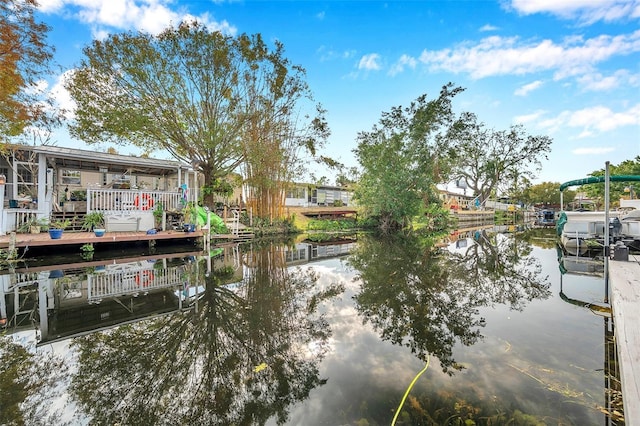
(306, 195)
(456, 201)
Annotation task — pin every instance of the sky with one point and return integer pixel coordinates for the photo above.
(567, 69)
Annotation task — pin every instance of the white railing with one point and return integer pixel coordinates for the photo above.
(118, 200)
(16, 218)
(131, 282)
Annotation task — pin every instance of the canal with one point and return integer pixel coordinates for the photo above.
(485, 326)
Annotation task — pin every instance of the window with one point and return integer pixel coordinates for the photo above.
(297, 192)
(27, 182)
(71, 177)
(295, 255)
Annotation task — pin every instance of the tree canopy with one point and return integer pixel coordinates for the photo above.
(546, 194)
(24, 59)
(194, 93)
(403, 158)
(489, 160)
(617, 190)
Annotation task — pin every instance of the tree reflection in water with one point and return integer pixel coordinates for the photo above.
(26, 380)
(244, 354)
(428, 298)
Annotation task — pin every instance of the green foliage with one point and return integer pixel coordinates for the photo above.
(93, 220)
(209, 99)
(59, 224)
(546, 193)
(331, 225)
(263, 226)
(31, 222)
(190, 212)
(403, 158)
(158, 210)
(438, 217)
(491, 161)
(24, 62)
(218, 187)
(79, 195)
(617, 190)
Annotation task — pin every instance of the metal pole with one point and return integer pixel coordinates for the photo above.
(3, 230)
(606, 232)
(606, 209)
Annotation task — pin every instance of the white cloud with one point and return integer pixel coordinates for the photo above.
(603, 119)
(61, 95)
(151, 16)
(599, 150)
(598, 82)
(327, 54)
(524, 90)
(496, 55)
(585, 11)
(369, 62)
(404, 61)
(590, 121)
(529, 118)
(487, 27)
(50, 6)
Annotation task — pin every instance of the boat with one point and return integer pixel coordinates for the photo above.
(581, 231)
(546, 218)
(630, 229)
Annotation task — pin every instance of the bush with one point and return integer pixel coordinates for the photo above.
(328, 225)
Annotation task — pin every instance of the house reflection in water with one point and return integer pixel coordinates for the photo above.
(68, 302)
(305, 252)
(61, 302)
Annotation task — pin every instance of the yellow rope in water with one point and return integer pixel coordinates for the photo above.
(413, 382)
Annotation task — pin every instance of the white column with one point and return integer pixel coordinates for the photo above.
(3, 219)
(195, 187)
(42, 183)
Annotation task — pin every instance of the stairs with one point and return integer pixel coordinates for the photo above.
(76, 219)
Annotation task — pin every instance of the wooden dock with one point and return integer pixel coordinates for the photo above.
(624, 278)
(465, 216)
(81, 238)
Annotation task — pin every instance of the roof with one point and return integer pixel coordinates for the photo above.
(81, 159)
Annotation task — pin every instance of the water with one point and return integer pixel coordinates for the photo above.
(313, 334)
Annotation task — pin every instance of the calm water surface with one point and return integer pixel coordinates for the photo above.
(484, 327)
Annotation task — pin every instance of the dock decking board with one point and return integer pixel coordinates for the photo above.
(624, 277)
(79, 238)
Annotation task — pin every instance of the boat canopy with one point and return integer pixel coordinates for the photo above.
(599, 179)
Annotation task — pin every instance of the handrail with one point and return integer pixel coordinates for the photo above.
(600, 179)
(133, 200)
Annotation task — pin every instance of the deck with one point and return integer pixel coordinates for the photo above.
(624, 277)
(330, 213)
(81, 238)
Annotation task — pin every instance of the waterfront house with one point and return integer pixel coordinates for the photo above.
(42, 181)
(306, 195)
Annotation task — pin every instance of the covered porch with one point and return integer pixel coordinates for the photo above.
(38, 182)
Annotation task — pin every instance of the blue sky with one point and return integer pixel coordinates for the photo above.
(568, 69)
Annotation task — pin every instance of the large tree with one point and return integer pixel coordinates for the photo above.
(24, 60)
(403, 158)
(489, 160)
(546, 194)
(186, 91)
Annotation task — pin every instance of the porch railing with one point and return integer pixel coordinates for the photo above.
(18, 218)
(118, 200)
